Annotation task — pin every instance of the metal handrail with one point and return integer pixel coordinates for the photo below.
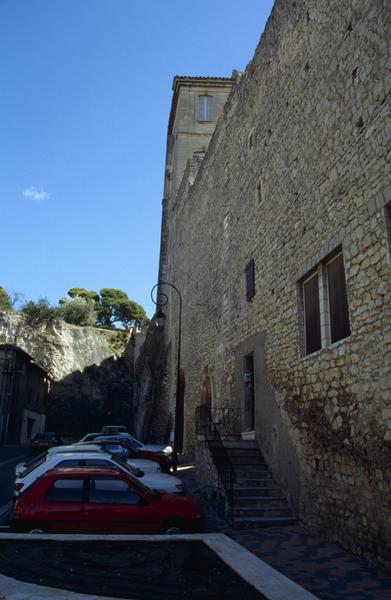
(206, 426)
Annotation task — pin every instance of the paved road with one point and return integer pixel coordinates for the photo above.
(10, 456)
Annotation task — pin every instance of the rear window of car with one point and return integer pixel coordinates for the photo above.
(70, 463)
(111, 491)
(97, 462)
(65, 490)
(33, 465)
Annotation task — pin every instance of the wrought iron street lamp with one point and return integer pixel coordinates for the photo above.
(160, 319)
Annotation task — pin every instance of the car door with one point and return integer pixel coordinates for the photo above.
(115, 506)
(62, 507)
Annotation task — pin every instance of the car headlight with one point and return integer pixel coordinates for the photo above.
(167, 450)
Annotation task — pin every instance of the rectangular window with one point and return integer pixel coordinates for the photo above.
(325, 304)
(205, 108)
(66, 490)
(312, 314)
(338, 301)
(250, 280)
(112, 491)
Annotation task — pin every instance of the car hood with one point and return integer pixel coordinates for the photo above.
(164, 482)
(144, 465)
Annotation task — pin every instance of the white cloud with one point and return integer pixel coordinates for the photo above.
(37, 194)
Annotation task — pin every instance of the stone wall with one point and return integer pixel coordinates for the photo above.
(297, 167)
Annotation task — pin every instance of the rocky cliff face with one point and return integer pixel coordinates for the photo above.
(151, 414)
(91, 369)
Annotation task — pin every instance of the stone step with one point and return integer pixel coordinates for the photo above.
(242, 444)
(259, 501)
(241, 451)
(255, 523)
(252, 474)
(250, 492)
(241, 462)
(265, 511)
(242, 454)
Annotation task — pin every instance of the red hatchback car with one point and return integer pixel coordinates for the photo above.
(100, 500)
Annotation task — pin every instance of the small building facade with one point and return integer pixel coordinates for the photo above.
(24, 389)
(279, 241)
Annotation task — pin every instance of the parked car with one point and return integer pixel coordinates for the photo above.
(45, 440)
(136, 444)
(168, 450)
(100, 500)
(161, 458)
(148, 466)
(158, 481)
(113, 429)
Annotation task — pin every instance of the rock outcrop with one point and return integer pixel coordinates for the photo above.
(91, 370)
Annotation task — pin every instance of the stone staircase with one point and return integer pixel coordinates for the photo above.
(257, 500)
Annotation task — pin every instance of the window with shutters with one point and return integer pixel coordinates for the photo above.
(205, 108)
(325, 305)
(312, 314)
(249, 275)
(338, 301)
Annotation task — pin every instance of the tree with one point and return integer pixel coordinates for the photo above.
(40, 312)
(116, 308)
(77, 311)
(5, 300)
(85, 294)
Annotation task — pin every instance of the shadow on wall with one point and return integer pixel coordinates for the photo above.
(85, 400)
(151, 414)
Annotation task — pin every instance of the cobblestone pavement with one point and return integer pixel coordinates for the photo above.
(319, 566)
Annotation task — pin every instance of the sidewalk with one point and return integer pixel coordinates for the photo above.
(319, 566)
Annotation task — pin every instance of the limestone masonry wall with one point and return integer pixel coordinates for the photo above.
(299, 166)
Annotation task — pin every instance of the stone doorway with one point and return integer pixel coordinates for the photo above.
(206, 392)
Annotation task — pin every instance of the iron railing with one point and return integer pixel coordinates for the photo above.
(206, 426)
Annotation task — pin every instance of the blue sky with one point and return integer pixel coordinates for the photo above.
(85, 92)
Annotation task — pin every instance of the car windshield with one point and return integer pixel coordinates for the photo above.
(133, 472)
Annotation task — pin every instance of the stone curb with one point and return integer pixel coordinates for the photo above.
(271, 583)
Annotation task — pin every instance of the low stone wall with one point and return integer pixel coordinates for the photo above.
(208, 479)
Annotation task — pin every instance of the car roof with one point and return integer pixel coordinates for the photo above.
(73, 448)
(83, 455)
(83, 471)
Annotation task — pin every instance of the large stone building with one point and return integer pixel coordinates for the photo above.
(279, 241)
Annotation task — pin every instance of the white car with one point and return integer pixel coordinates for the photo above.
(143, 464)
(156, 481)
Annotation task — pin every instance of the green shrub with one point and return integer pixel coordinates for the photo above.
(77, 311)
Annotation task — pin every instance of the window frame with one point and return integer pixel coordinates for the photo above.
(325, 312)
(203, 112)
(312, 275)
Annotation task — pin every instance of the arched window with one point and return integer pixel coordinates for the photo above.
(205, 108)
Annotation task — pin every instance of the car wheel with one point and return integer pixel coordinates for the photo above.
(36, 531)
(172, 528)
